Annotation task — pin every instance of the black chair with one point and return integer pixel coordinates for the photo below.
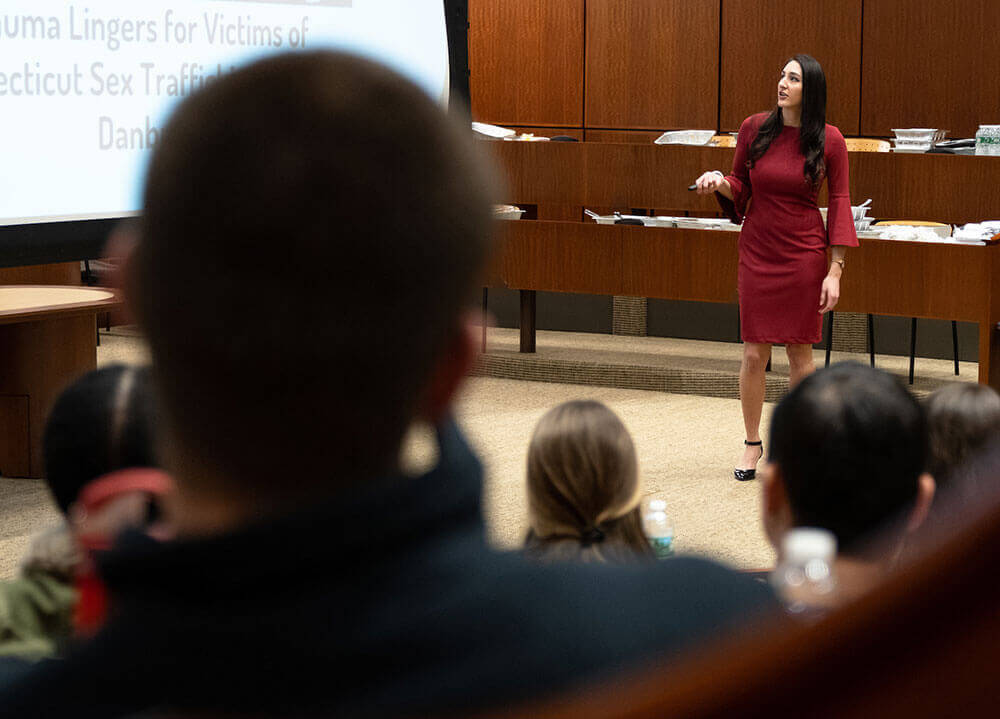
(913, 342)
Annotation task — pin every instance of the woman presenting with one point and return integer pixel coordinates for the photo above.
(784, 283)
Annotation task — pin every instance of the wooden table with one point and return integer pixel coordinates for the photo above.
(884, 277)
(48, 338)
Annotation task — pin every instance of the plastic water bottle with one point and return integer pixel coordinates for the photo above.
(804, 576)
(659, 529)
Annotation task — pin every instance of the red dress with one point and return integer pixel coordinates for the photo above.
(782, 247)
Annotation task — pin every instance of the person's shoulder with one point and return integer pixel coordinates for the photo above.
(704, 591)
(834, 139)
(754, 121)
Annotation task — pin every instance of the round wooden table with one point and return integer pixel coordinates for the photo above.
(48, 338)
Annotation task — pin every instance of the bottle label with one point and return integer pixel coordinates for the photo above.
(662, 546)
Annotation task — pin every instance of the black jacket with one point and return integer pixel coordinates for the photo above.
(386, 600)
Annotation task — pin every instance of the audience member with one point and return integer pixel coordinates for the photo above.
(99, 424)
(583, 487)
(961, 419)
(847, 453)
(308, 576)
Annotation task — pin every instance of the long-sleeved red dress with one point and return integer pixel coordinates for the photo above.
(782, 246)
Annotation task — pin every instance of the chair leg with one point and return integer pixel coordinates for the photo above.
(954, 343)
(871, 339)
(913, 345)
(486, 293)
(829, 339)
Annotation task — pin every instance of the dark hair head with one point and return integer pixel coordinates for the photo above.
(583, 486)
(962, 419)
(850, 442)
(812, 133)
(101, 423)
(313, 225)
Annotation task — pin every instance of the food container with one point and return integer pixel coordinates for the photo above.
(507, 212)
(862, 225)
(913, 228)
(662, 221)
(919, 134)
(685, 137)
(611, 219)
(902, 146)
(858, 212)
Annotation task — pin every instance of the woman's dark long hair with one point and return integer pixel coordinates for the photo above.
(812, 134)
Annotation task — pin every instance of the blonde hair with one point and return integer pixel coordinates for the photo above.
(583, 487)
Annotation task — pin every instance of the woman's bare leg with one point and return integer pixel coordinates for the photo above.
(755, 358)
(800, 363)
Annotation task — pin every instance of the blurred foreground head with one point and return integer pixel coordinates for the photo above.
(847, 451)
(313, 226)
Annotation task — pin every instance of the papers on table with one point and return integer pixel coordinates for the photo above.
(977, 231)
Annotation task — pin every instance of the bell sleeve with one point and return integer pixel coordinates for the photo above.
(739, 179)
(839, 219)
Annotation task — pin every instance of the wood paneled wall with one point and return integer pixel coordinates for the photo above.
(649, 65)
(526, 61)
(932, 63)
(758, 37)
(652, 63)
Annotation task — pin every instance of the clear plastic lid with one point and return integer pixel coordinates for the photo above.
(657, 505)
(804, 543)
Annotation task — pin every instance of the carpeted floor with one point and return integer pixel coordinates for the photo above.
(686, 443)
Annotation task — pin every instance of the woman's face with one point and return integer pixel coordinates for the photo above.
(790, 86)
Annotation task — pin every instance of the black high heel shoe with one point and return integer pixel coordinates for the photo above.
(745, 475)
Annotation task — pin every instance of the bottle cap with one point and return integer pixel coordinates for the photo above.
(804, 543)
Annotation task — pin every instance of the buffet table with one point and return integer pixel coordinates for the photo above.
(48, 338)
